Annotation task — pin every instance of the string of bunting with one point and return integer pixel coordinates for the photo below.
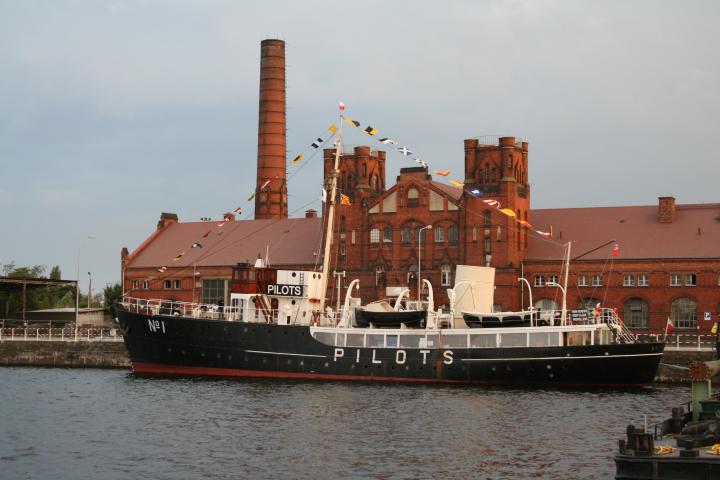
(472, 190)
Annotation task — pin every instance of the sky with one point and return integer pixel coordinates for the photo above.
(112, 112)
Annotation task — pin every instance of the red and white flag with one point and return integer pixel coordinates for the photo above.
(616, 250)
(238, 210)
(492, 203)
(544, 234)
(341, 105)
(669, 327)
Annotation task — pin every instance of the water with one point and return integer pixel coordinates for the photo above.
(107, 424)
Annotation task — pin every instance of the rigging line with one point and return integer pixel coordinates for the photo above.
(310, 158)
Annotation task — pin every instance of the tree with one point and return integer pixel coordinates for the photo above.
(55, 273)
(112, 293)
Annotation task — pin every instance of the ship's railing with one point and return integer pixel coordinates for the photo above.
(249, 313)
(681, 342)
(66, 334)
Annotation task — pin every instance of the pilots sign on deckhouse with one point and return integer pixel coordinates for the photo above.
(285, 290)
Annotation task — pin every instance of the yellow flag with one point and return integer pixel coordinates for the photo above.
(332, 128)
(352, 122)
(508, 212)
(714, 328)
(458, 183)
(297, 159)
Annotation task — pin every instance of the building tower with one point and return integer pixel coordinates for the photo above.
(271, 201)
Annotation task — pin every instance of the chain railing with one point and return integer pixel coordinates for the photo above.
(66, 334)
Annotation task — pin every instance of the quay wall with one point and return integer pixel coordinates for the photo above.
(64, 354)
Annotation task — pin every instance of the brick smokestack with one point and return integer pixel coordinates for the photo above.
(271, 202)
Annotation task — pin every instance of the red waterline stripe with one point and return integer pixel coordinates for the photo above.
(177, 370)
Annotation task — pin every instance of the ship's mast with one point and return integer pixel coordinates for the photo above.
(330, 215)
(565, 282)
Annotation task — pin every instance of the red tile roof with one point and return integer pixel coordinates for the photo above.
(695, 232)
(291, 242)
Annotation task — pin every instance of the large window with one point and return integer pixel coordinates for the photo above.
(582, 281)
(439, 234)
(597, 280)
(406, 235)
(636, 313)
(674, 279)
(375, 235)
(445, 274)
(380, 275)
(682, 313)
(690, 279)
(453, 234)
(546, 304)
(552, 279)
(387, 235)
(628, 280)
(213, 290)
(539, 280)
(642, 280)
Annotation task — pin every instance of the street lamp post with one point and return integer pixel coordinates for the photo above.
(77, 288)
(564, 307)
(419, 254)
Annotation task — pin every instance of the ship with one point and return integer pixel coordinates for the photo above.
(277, 324)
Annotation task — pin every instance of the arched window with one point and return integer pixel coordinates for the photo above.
(588, 303)
(364, 169)
(349, 182)
(636, 313)
(546, 304)
(453, 234)
(439, 234)
(342, 224)
(406, 235)
(488, 220)
(387, 235)
(375, 235)
(374, 183)
(445, 275)
(380, 275)
(487, 173)
(682, 313)
(412, 274)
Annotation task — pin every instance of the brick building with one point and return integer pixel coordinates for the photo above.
(668, 264)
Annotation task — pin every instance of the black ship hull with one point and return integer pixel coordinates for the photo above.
(165, 345)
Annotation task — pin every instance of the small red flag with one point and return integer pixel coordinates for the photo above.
(669, 327)
(616, 250)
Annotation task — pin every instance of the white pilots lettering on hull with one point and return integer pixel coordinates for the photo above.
(400, 356)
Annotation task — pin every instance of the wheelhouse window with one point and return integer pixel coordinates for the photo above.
(642, 280)
(375, 235)
(628, 280)
(445, 274)
(439, 234)
(674, 279)
(406, 235)
(683, 313)
(636, 313)
(582, 281)
(597, 280)
(690, 280)
(539, 280)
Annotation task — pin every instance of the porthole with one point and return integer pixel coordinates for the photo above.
(202, 354)
(218, 356)
(302, 363)
(182, 352)
(293, 302)
(245, 330)
(294, 274)
(549, 367)
(229, 357)
(264, 360)
(327, 364)
(246, 358)
(289, 362)
(169, 350)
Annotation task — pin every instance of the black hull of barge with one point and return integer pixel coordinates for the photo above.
(184, 346)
